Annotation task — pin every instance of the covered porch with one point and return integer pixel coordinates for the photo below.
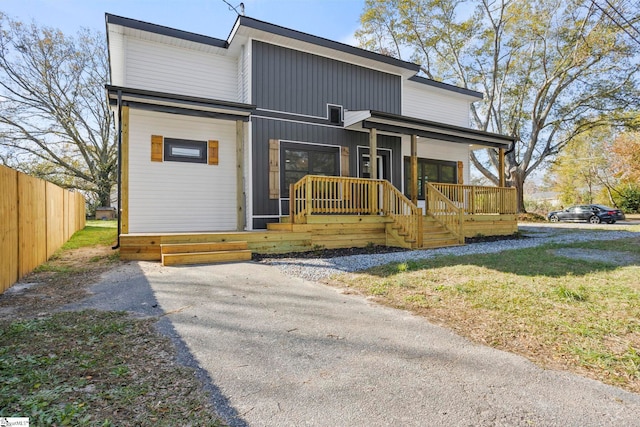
(451, 210)
(328, 212)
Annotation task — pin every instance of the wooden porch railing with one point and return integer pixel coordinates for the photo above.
(480, 200)
(325, 195)
(445, 211)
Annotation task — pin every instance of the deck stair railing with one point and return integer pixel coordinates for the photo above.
(329, 195)
(445, 211)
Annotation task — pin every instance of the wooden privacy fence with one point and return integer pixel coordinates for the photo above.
(36, 218)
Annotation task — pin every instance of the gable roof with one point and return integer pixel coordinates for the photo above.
(246, 27)
(245, 21)
(162, 30)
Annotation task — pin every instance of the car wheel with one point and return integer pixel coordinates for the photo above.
(554, 218)
(594, 219)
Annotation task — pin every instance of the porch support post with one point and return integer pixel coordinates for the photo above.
(414, 169)
(373, 169)
(240, 195)
(501, 167)
(373, 153)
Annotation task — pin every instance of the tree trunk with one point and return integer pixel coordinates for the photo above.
(103, 192)
(517, 181)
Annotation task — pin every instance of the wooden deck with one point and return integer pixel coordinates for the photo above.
(337, 212)
(318, 232)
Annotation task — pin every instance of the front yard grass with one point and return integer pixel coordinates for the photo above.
(89, 367)
(96, 368)
(561, 313)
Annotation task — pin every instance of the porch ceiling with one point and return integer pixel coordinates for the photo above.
(403, 125)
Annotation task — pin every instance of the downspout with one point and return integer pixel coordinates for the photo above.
(119, 168)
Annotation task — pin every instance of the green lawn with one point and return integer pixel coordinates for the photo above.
(90, 368)
(565, 313)
(93, 234)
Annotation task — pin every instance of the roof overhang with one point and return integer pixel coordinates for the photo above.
(174, 103)
(364, 120)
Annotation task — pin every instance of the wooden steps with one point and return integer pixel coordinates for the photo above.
(204, 253)
(437, 236)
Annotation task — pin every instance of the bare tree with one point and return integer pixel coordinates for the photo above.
(550, 70)
(54, 118)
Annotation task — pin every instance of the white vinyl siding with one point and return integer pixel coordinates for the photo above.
(439, 150)
(160, 67)
(244, 74)
(116, 57)
(429, 103)
(175, 196)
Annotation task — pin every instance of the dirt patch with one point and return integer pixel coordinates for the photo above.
(591, 255)
(64, 279)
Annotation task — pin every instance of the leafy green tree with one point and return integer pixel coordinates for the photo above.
(54, 119)
(550, 70)
(628, 197)
(583, 171)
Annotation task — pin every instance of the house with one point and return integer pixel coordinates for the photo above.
(273, 129)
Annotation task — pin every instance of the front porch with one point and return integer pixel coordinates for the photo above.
(459, 210)
(338, 212)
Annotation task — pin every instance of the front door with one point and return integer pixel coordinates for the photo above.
(383, 160)
(383, 163)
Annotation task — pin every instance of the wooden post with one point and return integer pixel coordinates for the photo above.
(240, 198)
(292, 204)
(373, 153)
(414, 169)
(308, 195)
(373, 170)
(501, 167)
(420, 228)
(461, 227)
(472, 210)
(124, 195)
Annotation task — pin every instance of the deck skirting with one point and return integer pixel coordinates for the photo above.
(319, 232)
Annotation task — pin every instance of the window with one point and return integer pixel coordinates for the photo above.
(183, 150)
(335, 114)
(429, 170)
(300, 160)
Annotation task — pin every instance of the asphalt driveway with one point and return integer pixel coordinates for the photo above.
(281, 351)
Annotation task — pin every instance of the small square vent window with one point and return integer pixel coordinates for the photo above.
(335, 114)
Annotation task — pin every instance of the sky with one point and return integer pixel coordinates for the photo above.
(332, 19)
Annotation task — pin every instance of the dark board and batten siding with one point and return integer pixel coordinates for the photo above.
(298, 82)
(265, 129)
